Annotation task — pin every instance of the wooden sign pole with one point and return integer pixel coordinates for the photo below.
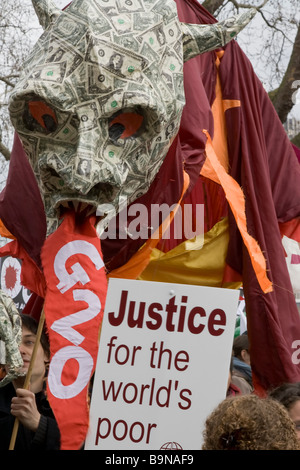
(28, 375)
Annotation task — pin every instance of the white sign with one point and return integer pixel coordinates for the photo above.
(162, 366)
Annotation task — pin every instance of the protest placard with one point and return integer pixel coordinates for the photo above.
(162, 366)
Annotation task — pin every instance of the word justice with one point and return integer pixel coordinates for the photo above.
(174, 316)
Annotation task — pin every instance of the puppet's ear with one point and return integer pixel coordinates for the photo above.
(200, 38)
(46, 11)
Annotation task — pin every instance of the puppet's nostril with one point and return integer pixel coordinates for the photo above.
(115, 131)
(49, 122)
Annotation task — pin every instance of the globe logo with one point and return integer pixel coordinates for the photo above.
(171, 446)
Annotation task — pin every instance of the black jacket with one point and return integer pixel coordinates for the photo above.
(47, 435)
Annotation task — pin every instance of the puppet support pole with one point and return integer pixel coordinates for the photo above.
(28, 375)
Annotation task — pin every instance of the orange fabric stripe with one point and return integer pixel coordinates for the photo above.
(138, 262)
(219, 140)
(4, 232)
(228, 104)
(216, 168)
(235, 198)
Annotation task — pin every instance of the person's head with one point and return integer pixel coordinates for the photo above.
(248, 422)
(288, 394)
(29, 331)
(241, 348)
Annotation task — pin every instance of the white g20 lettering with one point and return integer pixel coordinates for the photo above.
(296, 354)
(75, 247)
(64, 326)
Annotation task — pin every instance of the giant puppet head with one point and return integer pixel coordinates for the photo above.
(101, 96)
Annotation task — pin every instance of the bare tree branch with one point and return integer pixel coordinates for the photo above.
(213, 5)
(246, 5)
(4, 151)
(7, 80)
(272, 26)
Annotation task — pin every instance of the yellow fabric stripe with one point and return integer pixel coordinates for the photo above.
(200, 261)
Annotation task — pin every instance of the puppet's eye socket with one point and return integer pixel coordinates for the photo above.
(125, 125)
(39, 113)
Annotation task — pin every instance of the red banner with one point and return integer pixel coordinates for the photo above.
(74, 305)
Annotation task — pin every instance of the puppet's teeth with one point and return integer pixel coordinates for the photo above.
(75, 205)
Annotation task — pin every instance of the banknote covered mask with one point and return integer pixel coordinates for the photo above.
(100, 97)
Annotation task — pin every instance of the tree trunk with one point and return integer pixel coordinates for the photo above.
(296, 140)
(212, 5)
(4, 151)
(283, 97)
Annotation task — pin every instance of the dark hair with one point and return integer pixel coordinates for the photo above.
(32, 325)
(240, 342)
(287, 394)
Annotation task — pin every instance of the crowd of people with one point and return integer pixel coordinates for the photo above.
(242, 421)
(245, 421)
